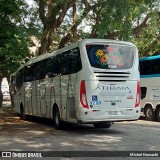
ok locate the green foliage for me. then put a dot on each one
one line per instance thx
(148, 39)
(137, 21)
(130, 20)
(13, 36)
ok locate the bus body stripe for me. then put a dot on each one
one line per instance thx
(150, 76)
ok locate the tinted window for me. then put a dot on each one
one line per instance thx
(28, 73)
(50, 67)
(38, 69)
(155, 66)
(19, 79)
(70, 62)
(13, 80)
(111, 56)
(66, 63)
(143, 92)
(145, 67)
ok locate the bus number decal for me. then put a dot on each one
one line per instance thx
(95, 102)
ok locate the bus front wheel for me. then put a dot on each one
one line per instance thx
(22, 110)
(57, 119)
(149, 114)
(158, 114)
(102, 125)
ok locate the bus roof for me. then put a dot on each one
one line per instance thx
(46, 55)
(94, 40)
(149, 58)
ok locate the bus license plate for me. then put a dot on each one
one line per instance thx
(113, 112)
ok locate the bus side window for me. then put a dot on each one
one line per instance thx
(145, 67)
(143, 92)
(12, 86)
(75, 64)
(37, 71)
(70, 62)
(63, 61)
(28, 74)
(13, 80)
(19, 79)
(155, 67)
(50, 67)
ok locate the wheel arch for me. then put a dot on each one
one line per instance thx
(158, 113)
(148, 105)
(157, 106)
(149, 112)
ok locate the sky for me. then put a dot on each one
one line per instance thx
(30, 2)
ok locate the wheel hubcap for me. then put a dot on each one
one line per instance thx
(149, 113)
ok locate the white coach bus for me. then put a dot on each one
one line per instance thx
(94, 81)
(150, 87)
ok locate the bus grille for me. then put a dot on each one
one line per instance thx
(114, 76)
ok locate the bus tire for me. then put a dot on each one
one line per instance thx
(102, 125)
(56, 119)
(158, 114)
(149, 113)
(22, 110)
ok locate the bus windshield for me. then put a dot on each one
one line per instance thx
(111, 56)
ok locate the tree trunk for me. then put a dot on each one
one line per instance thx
(1, 94)
(51, 21)
(11, 92)
(46, 40)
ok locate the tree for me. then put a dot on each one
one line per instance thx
(51, 14)
(60, 16)
(136, 21)
(13, 38)
(62, 22)
(130, 20)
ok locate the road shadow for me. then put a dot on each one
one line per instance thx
(142, 118)
(74, 128)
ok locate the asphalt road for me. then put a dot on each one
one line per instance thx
(37, 134)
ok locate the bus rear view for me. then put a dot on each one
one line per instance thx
(109, 82)
(94, 81)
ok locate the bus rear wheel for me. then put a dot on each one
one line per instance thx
(56, 119)
(102, 125)
(149, 114)
(158, 114)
